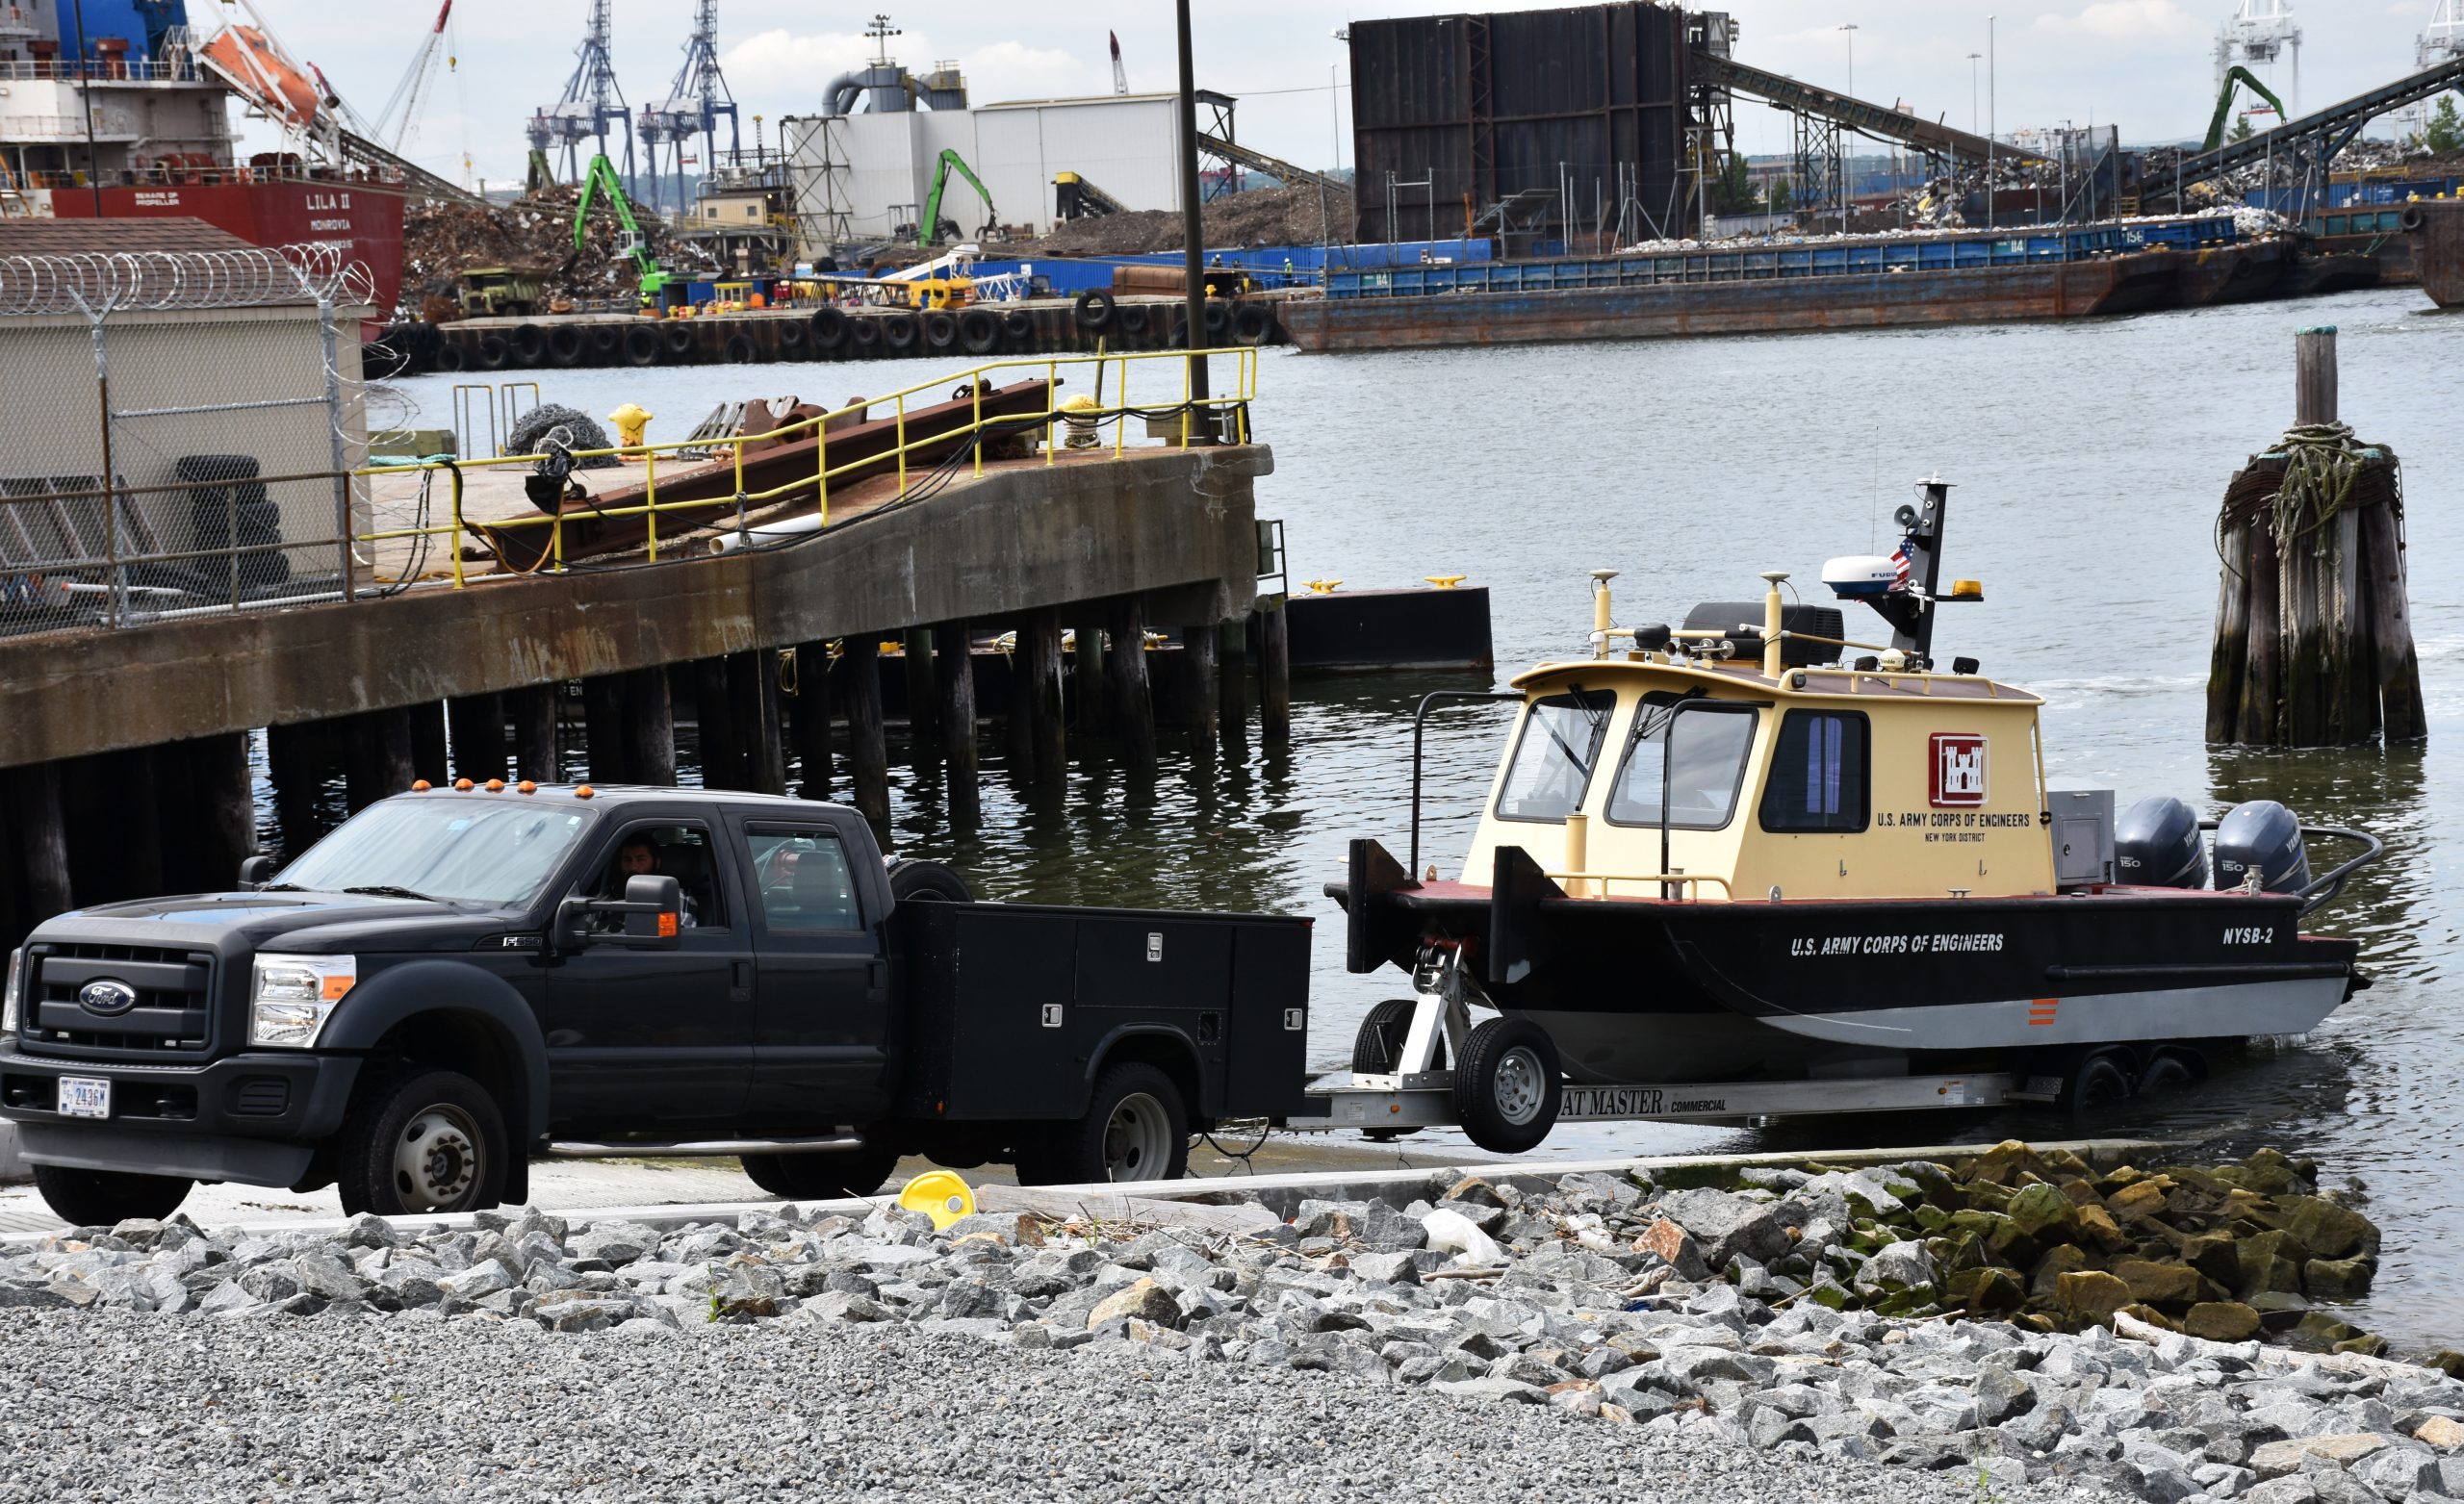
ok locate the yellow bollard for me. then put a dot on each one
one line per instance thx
(630, 421)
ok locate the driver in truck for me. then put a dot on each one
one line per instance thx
(638, 857)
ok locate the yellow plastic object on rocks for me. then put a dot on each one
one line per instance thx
(939, 1195)
(630, 421)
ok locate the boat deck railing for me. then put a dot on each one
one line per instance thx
(1781, 262)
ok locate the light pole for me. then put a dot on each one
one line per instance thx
(1973, 58)
(1192, 229)
(1993, 120)
(1847, 169)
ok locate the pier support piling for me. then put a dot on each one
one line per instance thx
(1232, 682)
(376, 756)
(753, 693)
(812, 718)
(298, 761)
(1199, 695)
(1274, 673)
(478, 737)
(602, 722)
(648, 728)
(534, 712)
(1039, 686)
(1132, 696)
(713, 709)
(1087, 675)
(429, 757)
(922, 724)
(868, 743)
(953, 676)
(38, 840)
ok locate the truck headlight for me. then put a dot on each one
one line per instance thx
(294, 995)
(9, 992)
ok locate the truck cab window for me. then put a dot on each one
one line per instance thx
(805, 884)
(1818, 773)
(681, 852)
(1698, 757)
(1553, 755)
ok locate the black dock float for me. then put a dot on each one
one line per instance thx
(1352, 631)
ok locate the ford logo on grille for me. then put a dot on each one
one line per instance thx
(106, 997)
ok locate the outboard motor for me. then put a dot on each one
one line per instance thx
(2157, 844)
(2263, 837)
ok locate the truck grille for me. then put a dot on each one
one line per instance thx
(173, 1015)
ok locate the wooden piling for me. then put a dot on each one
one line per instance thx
(923, 726)
(478, 725)
(649, 730)
(867, 742)
(1132, 698)
(298, 761)
(753, 693)
(602, 723)
(812, 718)
(1039, 656)
(533, 713)
(104, 799)
(1087, 675)
(206, 811)
(38, 840)
(2314, 375)
(2393, 656)
(1274, 673)
(1200, 696)
(721, 765)
(376, 756)
(1232, 682)
(429, 759)
(1018, 722)
(2228, 657)
(2263, 680)
(954, 679)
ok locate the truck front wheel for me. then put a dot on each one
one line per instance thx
(433, 1142)
(821, 1177)
(106, 1198)
(1135, 1129)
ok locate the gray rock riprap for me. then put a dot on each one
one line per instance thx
(1571, 1312)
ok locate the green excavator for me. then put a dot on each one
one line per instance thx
(2224, 105)
(601, 180)
(931, 229)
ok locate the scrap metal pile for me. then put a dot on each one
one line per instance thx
(440, 241)
(1262, 216)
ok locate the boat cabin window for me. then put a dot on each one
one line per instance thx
(1696, 755)
(1553, 755)
(1818, 773)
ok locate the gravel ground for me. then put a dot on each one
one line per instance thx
(110, 1405)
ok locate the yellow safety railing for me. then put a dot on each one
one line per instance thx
(1584, 880)
(1110, 372)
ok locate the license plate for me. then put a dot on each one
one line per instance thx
(85, 1096)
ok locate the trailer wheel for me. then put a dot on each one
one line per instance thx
(1508, 1088)
(2171, 1070)
(107, 1198)
(433, 1142)
(1379, 1043)
(928, 881)
(2101, 1079)
(1135, 1129)
(821, 1177)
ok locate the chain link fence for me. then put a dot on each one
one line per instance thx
(181, 429)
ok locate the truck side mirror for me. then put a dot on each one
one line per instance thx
(652, 911)
(255, 872)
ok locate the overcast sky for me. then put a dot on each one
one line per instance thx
(2145, 65)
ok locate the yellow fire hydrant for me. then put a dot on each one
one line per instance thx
(630, 421)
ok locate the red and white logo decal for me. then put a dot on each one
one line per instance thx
(1959, 770)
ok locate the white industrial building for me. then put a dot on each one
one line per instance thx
(861, 176)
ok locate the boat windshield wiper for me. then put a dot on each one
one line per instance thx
(389, 890)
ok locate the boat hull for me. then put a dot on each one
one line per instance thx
(2435, 230)
(1651, 990)
(363, 222)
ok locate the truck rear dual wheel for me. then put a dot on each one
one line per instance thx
(106, 1198)
(1137, 1127)
(821, 1177)
(1507, 1085)
(432, 1142)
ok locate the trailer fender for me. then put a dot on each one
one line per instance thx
(1164, 1046)
(464, 994)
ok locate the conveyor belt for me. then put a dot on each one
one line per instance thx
(2336, 124)
(1859, 115)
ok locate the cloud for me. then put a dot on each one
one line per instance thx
(781, 63)
(2123, 21)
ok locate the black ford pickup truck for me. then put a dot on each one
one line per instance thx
(460, 979)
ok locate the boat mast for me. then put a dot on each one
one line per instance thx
(1910, 610)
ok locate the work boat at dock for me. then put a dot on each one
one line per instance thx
(1749, 866)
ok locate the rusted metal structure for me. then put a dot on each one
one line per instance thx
(2435, 230)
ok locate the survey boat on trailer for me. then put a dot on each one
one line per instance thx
(1750, 865)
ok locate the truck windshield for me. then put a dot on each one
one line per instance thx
(460, 849)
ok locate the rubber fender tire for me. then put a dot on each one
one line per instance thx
(1131, 320)
(107, 1198)
(641, 345)
(1018, 325)
(864, 334)
(1094, 311)
(2412, 218)
(940, 330)
(1078, 1151)
(930, 882)
(828, 328)
(450, 358)
(901, 333)
(1379, 1041)
(2099, 1080)
(792, 334)
(678, 341)
(564, 346)
(740, 350)
(528, 343)
(821, 1177)
(383, 1111)
(1500, 1044)
(1219, 317)
(606, 340)
(488, 354)
(979, 330)
(1252, 323)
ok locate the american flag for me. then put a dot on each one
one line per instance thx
(1900, 563)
